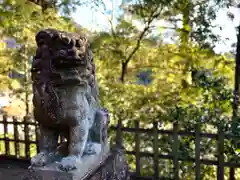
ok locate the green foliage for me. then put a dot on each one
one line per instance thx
(20, 20)
(191, 19)
(12, 150)
(189, 83)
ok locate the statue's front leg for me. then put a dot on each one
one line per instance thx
(47, 144)
(77, 141)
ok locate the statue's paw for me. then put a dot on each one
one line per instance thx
(69, 163)
(42, 159)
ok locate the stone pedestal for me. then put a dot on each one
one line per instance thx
(25, 174)
(112, 167)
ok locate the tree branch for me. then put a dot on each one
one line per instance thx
(154, 14)
(45, 4)
(110, 20)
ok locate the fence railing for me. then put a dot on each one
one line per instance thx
(174, 156)
(18, 140)
(18, 137)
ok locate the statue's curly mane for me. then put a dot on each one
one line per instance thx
(60, 39)
(66, 57)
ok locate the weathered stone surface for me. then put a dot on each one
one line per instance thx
(114, 167)
(66, 102)
(24, 174)
(87, 164)
(111, 167)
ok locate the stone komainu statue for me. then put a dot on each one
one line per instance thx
(65, 98)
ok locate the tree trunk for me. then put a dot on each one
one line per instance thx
(186, 24)
(185, 36)
(123, 72)
(236, 95)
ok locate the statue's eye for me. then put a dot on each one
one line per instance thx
(62, 53)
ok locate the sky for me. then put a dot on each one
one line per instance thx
(95, 20)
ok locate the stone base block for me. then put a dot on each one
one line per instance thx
(112, 166)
